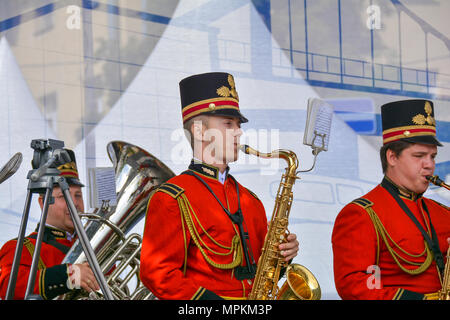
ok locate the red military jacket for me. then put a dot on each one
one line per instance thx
(368, 231)
(186, 254)
(51, 276)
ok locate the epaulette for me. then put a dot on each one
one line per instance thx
(252, 193)
(171, 189)
(362, 202)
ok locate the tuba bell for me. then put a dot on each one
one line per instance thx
(138, 174)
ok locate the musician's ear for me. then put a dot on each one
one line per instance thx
(199, 127)
(41, 201)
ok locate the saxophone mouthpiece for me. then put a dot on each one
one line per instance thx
(244, 148)
(437, 181)
(434, 180)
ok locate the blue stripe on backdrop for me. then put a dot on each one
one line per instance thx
(294, 120)
(92, 5)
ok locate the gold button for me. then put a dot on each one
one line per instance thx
(406, 133)
(212, 106)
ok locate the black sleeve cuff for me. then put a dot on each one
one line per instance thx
(53, 281)
(205, 294)
(403, 294)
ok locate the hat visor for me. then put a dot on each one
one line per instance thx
(227, 113)
(424, 139)
(73, 181)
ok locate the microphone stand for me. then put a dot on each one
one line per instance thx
(316, 149)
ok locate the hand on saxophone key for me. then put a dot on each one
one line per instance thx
(290, 248)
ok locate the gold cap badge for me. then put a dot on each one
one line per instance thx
(226, 92)
(420, 119)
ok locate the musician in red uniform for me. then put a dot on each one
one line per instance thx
(52, 277)
(204, 231)
(392, 242)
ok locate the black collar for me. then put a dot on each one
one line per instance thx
(206, 170)
(402, 192)
(55, 232)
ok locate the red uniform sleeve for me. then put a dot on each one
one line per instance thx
(354, 243)
(6, 260)
(49, 283)
(163, 251)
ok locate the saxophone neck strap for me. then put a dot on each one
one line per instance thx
(432, 241)
(242, 272)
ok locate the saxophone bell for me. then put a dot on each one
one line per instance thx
(300, 284)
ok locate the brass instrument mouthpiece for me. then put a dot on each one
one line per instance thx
(437, 181)
(434, 179)
(244, 148)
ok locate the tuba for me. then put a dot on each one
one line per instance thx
(138, 174)
(444, 293)
(300, 283)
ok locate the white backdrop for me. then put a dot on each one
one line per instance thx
(273, 94)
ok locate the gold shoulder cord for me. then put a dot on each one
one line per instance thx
(186, 218)
(41, 266)
(385, 236)
(30, 247)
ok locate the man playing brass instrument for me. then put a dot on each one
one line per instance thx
(391, 243)
(204, 231)
(52, 277)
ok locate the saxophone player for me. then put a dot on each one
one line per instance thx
(204, 231)
(391, 243)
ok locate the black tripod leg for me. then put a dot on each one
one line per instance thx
(88, 251)
(37, 249)
(18, 253)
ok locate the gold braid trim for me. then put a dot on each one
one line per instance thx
(42, 284)
(186, 209)
(185, 245)
(207, 234)
(30, 247)
(41, 266)
(385, 236)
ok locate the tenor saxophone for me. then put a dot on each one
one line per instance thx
(444, 293)
(301, 283)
